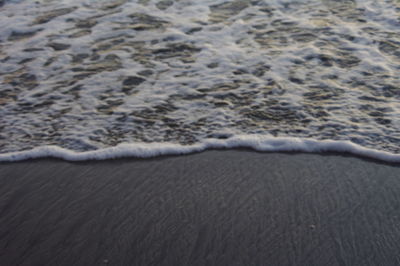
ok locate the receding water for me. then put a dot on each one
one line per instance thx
(86, 74)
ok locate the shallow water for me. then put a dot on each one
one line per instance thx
(85, 75)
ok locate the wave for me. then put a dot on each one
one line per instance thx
(256, 142)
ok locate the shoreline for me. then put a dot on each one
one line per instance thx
(217, 207)
(259, 143)
(240, 149)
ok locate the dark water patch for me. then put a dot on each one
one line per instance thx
(193, 30)
(82, 76)
(384, 90)
(390, 47)
(268, 11)
(114, 4)
(165, 108)
(213, 65)
(26, 60)
(285, 24)
(175, 50)
(75, 91)
(188, 97)
(370, 98)
(43, 104)
(21, 79)
(48, 16)
(141, 21)
(156, 113)
(95, 56)
(322, 93)
(59, 46)
(164, 4)
(274, 113)
(240, 71)
(324, 59)
(80, 33)
(111, 45)
(304, 37)
(8, 95)
(171, 123)
(110, 62)
(390, 90)
(146, 72)
(345, 9)
(261, 26)
(382, 121)
(50, 61)
(377, 114)
(296, 80)
(347, 60)
(316, 111)
(144, 2)
(221, 87)
(79, 58)
(104, 109)
(271, 39)
(86, 23)
(220, 135)
(260, 69)
(77, 144)
(272, 87)
(131, 82)
(21, 35)
(222, 12)
(221, 104)
(4, 59)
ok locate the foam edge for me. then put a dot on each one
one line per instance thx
(256, 142)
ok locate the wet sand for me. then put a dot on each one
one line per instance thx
(232, 207)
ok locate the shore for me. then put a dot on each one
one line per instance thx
(219, 207)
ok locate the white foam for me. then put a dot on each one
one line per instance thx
(256, 142)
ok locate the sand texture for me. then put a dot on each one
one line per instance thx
(219, 207)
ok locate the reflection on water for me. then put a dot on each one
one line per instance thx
(90, 74)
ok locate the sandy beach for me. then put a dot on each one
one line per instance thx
(218, 207)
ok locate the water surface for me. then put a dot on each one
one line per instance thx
(85, 75)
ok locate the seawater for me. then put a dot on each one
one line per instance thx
(96, 79)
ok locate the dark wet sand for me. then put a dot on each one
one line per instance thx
(212, 208)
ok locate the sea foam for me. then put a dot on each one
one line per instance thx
(256, 142)
(88, 76)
